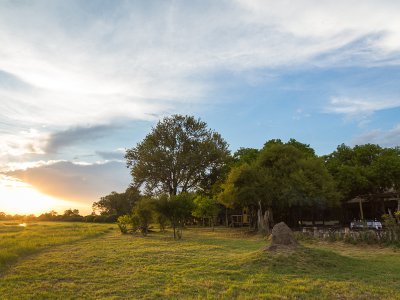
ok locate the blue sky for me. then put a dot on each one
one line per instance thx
(80, 81)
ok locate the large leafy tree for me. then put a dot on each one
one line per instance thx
(365, 170)
(180, 154)
(118, 203)
(285, 178)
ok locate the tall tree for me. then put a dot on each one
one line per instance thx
(283, 179)
(180, 154)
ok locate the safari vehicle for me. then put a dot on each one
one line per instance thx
(366, 224)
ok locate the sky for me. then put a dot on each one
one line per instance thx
(81, 81)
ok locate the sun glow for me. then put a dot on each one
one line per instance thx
(18, 197)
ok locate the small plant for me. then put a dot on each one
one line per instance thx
(123, 223)
(392, 226)
(397, 216)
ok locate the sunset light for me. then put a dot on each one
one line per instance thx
(245, 149)
(17, 197)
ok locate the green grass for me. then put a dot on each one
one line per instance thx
(18, 241)
(225, 264)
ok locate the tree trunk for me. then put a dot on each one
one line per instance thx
(263, 220)
(313, 215)
(226, 216)
(180, 229)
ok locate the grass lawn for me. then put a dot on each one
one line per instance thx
(225, 264)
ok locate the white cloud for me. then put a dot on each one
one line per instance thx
(17, 166)
(80, 63)
(386, 138)
(22, 143)
(359, 109)
(353, 106)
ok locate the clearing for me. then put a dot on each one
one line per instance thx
(92, 261)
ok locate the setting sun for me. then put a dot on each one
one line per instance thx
(18, 197)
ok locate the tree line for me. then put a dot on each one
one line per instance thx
(182, 172)
(69, 215)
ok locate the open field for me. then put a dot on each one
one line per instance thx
(19, 241)
(227, 264)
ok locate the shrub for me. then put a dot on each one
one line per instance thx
(123, 223)
(142, 215)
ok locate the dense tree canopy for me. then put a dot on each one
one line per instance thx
(282, 177)
(364, 169)
(367, 171)
(180, 154)
(205, 208)
(118, 203)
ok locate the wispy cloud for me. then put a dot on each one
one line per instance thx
(90, 64)
(141, 58)
(77, 135)
(359, 109)
(117, 154)
(387, 138)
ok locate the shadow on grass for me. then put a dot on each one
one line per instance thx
(16, 245)
(328, 264)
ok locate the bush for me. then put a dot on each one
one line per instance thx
(123, 223)
(142, 215)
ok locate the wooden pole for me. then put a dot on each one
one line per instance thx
(361, 209)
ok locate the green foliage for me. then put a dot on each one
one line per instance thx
(180, 154)
(118, 203)
(283, 176)
(142, 214)
(123, 223)
(205, 207)
(177, 209)
(364, 169)
(389, 220)
(245, 155)
(70, 215)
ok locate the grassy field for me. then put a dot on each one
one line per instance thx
(18, 241)
(92, 261)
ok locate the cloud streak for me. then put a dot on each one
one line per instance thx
(386, 138)
(360, 106)
(77, 135)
